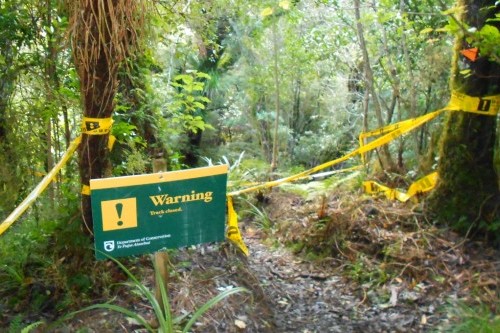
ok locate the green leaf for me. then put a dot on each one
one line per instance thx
(187, 79)
(453, 10)
(165, 318)
(205, 307)
(28, 328)
(266, 12)
(426, 31)
(140, 319)
(203, 99)
(203, 75)
(199, 105)
(197, 87)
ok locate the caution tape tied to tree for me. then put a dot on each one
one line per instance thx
(89, 126)
(488, 105)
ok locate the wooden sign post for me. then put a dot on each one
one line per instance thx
(161, 257)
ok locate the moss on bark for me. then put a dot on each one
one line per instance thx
(467, 196)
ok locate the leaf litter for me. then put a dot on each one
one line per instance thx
(340, 262)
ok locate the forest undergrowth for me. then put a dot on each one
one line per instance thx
(337, 261)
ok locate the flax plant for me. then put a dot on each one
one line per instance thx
(167, 323)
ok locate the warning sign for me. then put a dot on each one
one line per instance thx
(119, 214)
(145, 213)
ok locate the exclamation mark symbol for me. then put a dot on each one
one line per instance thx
(119, 208)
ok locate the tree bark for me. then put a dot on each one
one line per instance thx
(385, 156)
(50, 76)
(467, 195)
(274, 160)
(103, 33)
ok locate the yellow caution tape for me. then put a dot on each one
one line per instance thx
(487, 105)
(90, 126)
(388, 137)
(85, 190)
(422, 185)
(96, 126)
(392, 131)
(372, 187)
(233, 231)
(111, 142)
(40, 187)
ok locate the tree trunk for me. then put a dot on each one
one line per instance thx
(412, 91)
(210, 51)
(467, 194)
(274, 160)
(103, 33)
(385, 156)
(50, 78)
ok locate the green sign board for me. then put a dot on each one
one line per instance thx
(145, 213)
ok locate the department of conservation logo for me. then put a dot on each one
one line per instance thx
(109, 246)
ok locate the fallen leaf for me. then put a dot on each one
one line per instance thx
(394, 296)
(240, 324)
(132, 321)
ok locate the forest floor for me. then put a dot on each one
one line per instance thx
(352, 264)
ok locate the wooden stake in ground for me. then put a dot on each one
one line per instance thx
(160, 258)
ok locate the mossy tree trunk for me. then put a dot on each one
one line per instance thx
(467, 195)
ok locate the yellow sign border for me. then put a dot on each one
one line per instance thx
(170, 176)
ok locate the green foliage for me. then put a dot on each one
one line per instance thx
(163, 315)
(315, 148)
(125, 132)
(364, 273)
(16, 25)
(137, 161)
(41, 267)
(260, 217)
(16, 325)
(188, 103)
(477, 318)
(486, 38)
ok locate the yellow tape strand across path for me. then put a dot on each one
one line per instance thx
(40, 187)
(90, 126)
(459, 102)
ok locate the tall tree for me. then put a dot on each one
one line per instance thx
(211, 29)
(14, 34)
(467, 194)
(385, 156)
(102, 37)
(18, 33)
